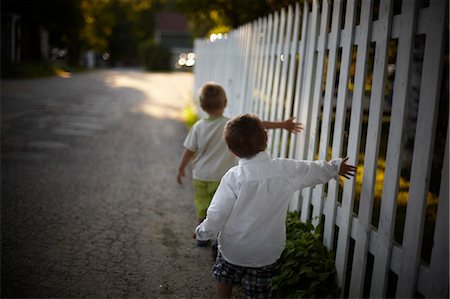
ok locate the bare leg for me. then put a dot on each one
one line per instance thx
(224, 290)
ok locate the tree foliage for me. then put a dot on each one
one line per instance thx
(114, 26)
(207, 17)
(62, 18)
(98, 23)
(118, 26)
(154, 57)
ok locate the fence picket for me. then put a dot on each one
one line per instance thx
(300, 71)
(276, 84)
(393, 154)
(333, 43)
(249, 61)
(226, 50)
(256, 53)
(317, 197)
(423, 150)
(286, 42)
(273, 44)
(338, 138)
(198, 65)
(292, 64)
(295, 202)
(266, 72)
(305, 108)
(438, 286)
(233, 68)
(261, 71)
(217, 68)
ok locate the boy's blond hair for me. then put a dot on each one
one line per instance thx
(212, 97)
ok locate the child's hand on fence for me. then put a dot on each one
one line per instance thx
(291, 126)
(346, 170)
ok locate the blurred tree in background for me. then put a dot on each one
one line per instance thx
(63, 19)
(133, 24)
(154, 57)
(116, 27)
(98, 24)
(65, 30)
(220, 16)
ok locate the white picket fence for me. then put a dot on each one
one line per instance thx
(288, 64)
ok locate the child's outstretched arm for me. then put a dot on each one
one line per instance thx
(288, 124)
(346, 170)
(187, 156)
(310, 173)
(219, 209)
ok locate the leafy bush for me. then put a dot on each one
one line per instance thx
(189, 115)
(306, 268)
(154, 57)
(29, 70)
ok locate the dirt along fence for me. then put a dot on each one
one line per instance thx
(369, 80)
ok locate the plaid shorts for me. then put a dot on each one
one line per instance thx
(256, 282)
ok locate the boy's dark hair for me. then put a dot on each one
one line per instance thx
(245, 135)
(212, 97)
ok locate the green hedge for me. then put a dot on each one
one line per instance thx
(28, 70)
(306, 268)
(154, 57)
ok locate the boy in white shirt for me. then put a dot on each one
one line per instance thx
(206, 145)
(249, 208)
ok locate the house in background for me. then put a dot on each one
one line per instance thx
(172, 31)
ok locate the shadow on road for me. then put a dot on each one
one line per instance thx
(90, 205)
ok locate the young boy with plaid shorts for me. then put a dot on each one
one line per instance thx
(206, 146)
(249, 208)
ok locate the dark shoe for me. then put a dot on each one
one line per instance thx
(214, 249)
(202, 243)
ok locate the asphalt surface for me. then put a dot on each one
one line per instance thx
(90, 206)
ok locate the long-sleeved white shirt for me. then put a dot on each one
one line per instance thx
(249, 208)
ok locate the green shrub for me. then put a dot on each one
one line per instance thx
(306, 268)
(37, 69)
(29, 70)
(154, 57)
(189, 115)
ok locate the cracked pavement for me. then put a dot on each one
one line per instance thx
(90, 206)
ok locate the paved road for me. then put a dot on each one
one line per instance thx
(89, 202)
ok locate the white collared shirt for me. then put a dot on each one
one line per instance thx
(249, 208)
